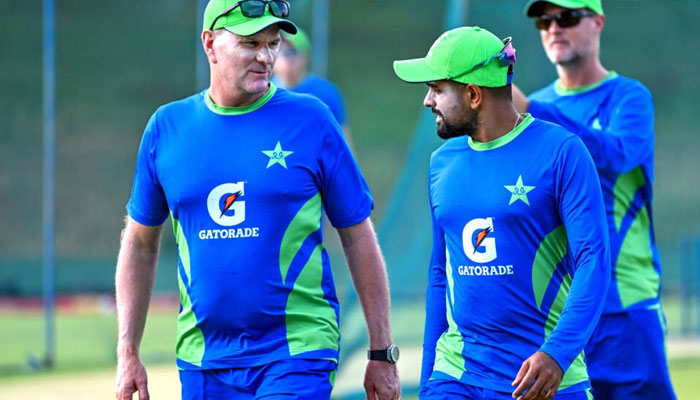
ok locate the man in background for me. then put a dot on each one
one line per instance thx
(520, 261)
(292, 72)
(244, 170)
(614, 116)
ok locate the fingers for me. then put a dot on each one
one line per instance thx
(530, 376)
(521, 373)
(541, 374)
(371, 394)
(143, 391)
(382, 381)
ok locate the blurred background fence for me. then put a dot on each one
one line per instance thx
(116, 62)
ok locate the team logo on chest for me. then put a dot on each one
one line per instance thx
(479, 245)
(277, 156)
(519, 191)
(226, 208)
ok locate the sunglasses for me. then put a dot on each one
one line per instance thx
(565, 19)
(256, 9)
(506, 57)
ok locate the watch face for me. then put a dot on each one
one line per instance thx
(394, 353)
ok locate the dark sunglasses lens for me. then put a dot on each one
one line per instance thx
(253, 8)
(568, 19)
(542, 23)
(279, 9)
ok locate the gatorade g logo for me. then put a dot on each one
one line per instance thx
(478, 246)
(224, 205)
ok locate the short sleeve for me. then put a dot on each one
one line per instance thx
(346, 196)
(147, 205)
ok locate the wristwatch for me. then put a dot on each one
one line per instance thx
(390, 354)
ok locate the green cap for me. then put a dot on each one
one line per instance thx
(534, 8)
(299, 42)
(239, 24)
(453, 55)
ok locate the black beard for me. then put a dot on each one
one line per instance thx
(448, 131)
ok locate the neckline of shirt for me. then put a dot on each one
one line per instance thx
(223, 110)
(503, 140)
(562, 91)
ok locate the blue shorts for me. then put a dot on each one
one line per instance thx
(284, 379)
(626, 357)
(446, 389)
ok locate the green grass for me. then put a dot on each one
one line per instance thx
(82, 340)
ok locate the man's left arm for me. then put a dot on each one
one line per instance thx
(580, 203)
(628, 138)
(370, 279)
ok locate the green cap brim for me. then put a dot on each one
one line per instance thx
(415, 71)
(533, 8)
(258, 24)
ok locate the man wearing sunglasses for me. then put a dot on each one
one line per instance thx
(244, 171)
(614, 116)
(520, 260)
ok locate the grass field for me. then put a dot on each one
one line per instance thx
(164, 384)
(85, 359)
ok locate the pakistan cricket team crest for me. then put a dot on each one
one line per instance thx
(277, 156)
(519, 191)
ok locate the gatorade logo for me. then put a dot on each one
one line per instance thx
(224, 204)
(478, 245)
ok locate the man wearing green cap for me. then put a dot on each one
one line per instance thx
(291, 72)
(520, 261)
(245, 171)
(614, 117)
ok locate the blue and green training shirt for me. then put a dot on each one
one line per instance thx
(520, 257)
(615, 120)
(245, 188)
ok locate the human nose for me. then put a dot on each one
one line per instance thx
(266, 55)
(429, 100)
(553, 27)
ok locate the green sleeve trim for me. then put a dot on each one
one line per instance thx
(562, 91)
(222, 110)
(189, 345)
(503, 140)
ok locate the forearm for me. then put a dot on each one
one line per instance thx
(370, 279)
(618, 148)
(135, 274)
(435, 326)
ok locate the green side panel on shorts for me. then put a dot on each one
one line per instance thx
(550, 253)
(448, 351)
(577, 371)
(311, 321)
(190, 344)
(306, 222)
(635, 275)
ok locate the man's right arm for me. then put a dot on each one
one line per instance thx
(136, 270)
(435, 303)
